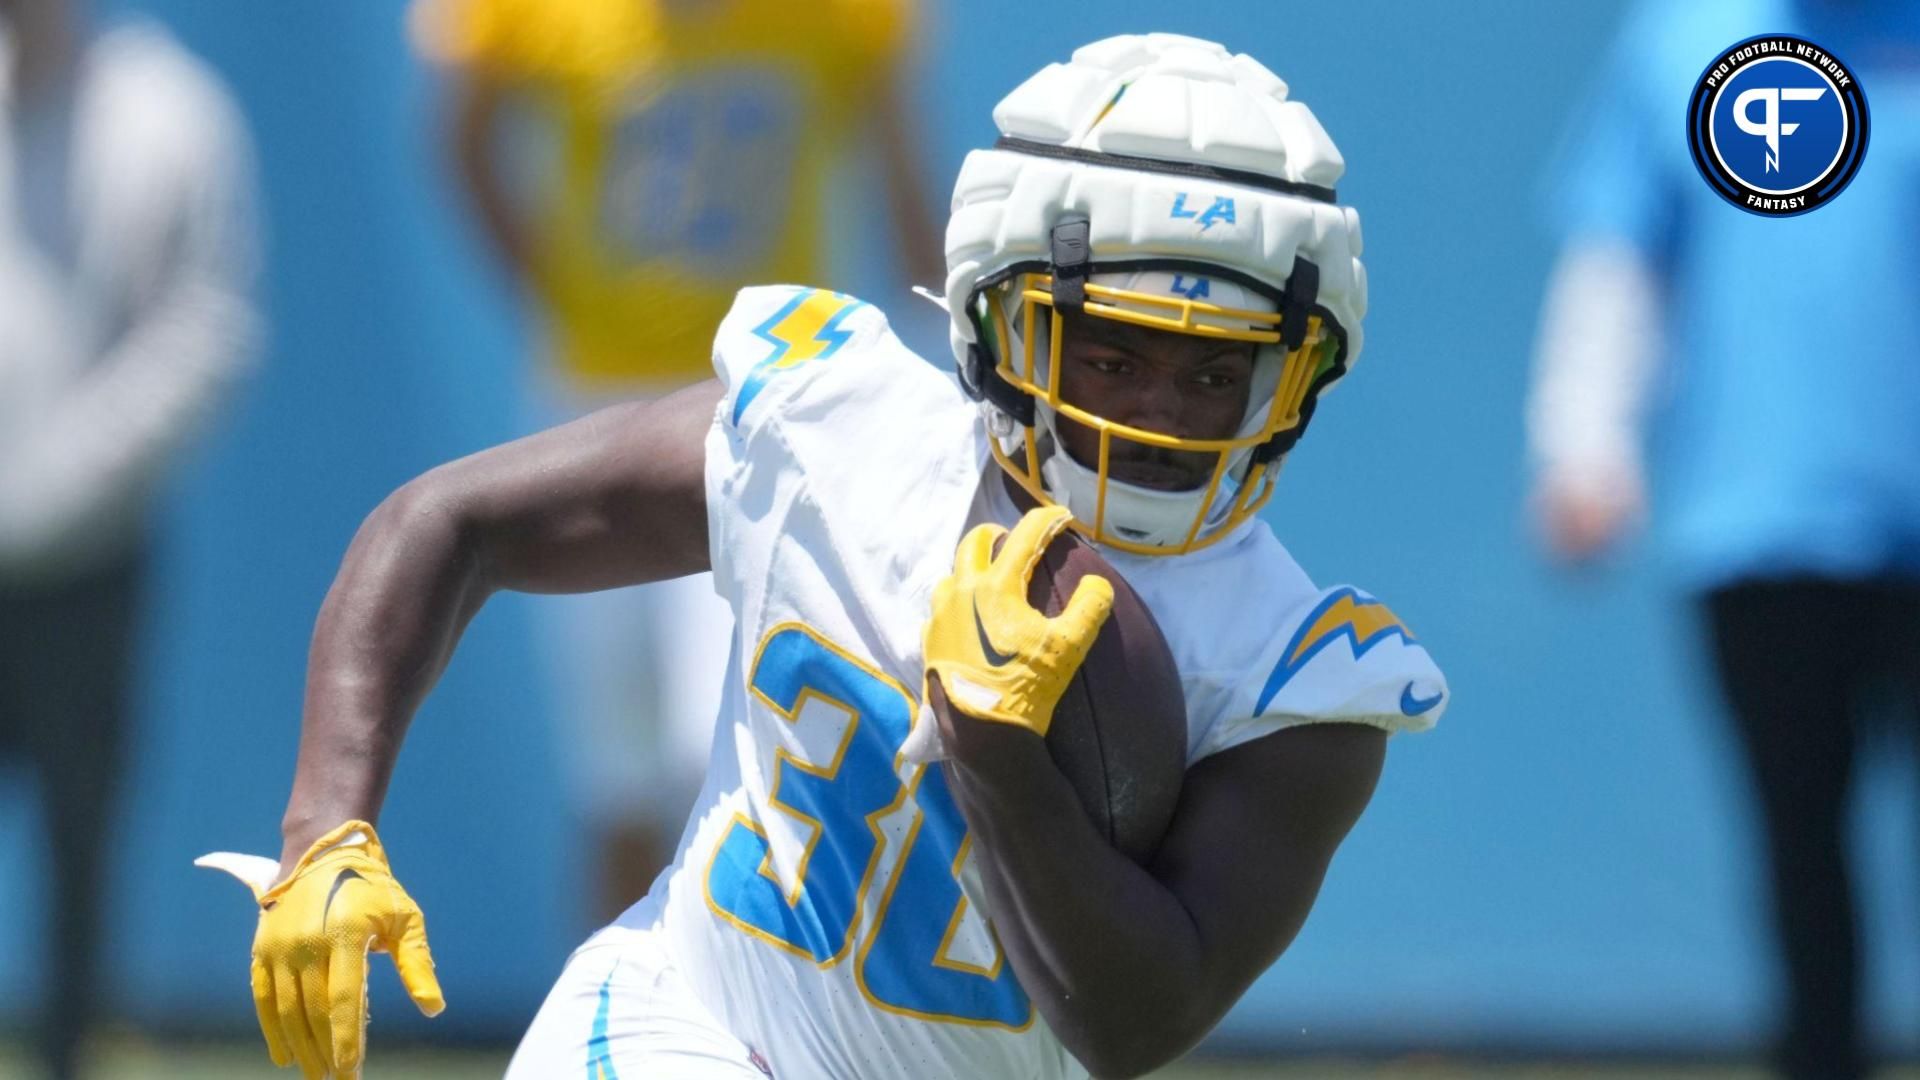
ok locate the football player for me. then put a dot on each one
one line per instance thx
(1151, 284)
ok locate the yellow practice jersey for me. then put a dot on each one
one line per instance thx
(690, 143)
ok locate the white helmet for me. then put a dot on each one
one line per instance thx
(1162, 181)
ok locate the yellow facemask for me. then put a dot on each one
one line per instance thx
(1246, 466)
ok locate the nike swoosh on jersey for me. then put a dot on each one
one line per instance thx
(340, 879)
(1413, 706)
(994, 656)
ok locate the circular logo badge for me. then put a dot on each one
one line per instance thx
(1777, 125)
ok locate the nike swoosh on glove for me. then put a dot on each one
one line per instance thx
(310, 949)
(997, 657)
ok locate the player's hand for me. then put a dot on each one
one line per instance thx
(1583, 515)
(310, 950)
(996, 656)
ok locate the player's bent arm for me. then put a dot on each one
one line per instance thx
(1130, 966)
(615, 498)
(478, 99)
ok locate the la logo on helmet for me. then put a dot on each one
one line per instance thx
(1192, 290)
(1221, 210)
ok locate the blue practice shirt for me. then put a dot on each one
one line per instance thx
(1787, 437)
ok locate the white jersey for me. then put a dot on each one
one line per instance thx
(815, 906)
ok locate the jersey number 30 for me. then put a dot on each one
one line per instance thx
(901, 960)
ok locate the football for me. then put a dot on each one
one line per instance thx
(1119, 733)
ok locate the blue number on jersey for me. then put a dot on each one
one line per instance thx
(902, 965)
(835, 801)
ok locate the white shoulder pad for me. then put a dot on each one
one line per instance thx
(1339, 656)
(776, 338)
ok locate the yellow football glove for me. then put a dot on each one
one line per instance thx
(310, 950)
(997, 657)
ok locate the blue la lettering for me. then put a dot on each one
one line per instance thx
(1221, 210)
(1192, 290)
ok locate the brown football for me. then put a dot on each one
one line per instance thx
(1119, 733)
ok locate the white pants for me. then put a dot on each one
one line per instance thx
(621, 1011)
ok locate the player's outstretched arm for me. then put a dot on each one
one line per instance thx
(1131, 966)
(615, 498)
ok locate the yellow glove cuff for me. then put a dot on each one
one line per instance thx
(365, 844)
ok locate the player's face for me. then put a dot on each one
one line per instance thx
(1156, 380)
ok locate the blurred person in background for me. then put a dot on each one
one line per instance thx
(633, 164)
(126, 251)
(1782, 354)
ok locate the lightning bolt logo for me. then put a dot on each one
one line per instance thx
(806, 328)
(1345, 613)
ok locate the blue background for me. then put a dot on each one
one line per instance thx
(1566, 863)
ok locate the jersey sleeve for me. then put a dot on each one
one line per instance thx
(778, 340)
(796, 364)
(1339, 657)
